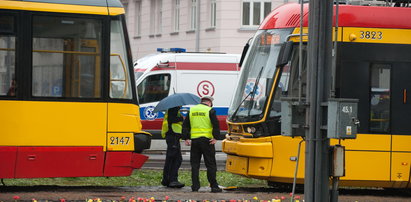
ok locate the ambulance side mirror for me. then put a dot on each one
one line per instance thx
(285, 53)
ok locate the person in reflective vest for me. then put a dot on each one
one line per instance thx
(171, 131)
(200, 130)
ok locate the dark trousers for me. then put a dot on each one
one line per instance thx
(202, 147)
(173, 158)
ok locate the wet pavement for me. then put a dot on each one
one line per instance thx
(156, 160)
(160, 193)
(157, 155)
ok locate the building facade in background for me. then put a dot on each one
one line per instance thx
(196, 25)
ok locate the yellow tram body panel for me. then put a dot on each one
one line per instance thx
(51, 124)
(369, 160)
(60, 7)
(34, 123)
(123, 117)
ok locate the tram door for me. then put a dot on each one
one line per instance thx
(401, 124)
(368, 157)
(401, 99)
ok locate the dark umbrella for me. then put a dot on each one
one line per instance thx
(177, 99)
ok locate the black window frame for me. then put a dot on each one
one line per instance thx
(15, 32)
(134, 99)
(24, 56)
(104, 37)
(157, 74)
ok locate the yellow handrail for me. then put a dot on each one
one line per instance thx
(125, 74)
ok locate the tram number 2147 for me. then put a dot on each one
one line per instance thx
(119, 140)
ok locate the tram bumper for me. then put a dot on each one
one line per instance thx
(122, 163)
(249, 156)
(142, 141)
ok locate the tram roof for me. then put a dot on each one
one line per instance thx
(109, 3)
(99, 7)
(288, 16)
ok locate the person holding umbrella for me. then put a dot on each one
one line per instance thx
(171, 130)
(202, 127)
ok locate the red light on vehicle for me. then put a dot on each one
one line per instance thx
(268, 39)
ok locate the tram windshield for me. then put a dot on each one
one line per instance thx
(257, 76)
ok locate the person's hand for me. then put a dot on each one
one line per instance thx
(187, 142)
(213, 141)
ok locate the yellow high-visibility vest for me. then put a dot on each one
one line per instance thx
(200, 122)
(176, 127)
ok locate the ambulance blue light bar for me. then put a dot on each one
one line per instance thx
(176, 50)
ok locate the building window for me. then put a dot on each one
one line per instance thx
(193, 14)
(137, 23)
(159, 16)
(254, 11)
(176, 18)
(213, 13)
(152, 17)
(156, 17)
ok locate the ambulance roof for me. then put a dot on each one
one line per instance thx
(150, 61)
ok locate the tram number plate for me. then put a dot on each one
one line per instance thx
(372, 35)
(119, 140)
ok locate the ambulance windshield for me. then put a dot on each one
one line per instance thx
(257, 75)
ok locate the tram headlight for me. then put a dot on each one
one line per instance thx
(251, 130)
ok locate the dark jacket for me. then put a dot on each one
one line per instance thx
(173, 118)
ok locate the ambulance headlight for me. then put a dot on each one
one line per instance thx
(251, 130)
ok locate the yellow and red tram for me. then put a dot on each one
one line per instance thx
(67, 93)
(373, 64)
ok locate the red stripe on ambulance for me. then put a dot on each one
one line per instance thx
(196, 66)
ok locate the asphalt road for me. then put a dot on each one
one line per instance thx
(157, 155)
(161, 194)
(156, 161)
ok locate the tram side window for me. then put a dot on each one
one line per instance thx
(288, 85)
(120, 83)
(380, 98)
(154, 88)
(8, 85)
(66, 57)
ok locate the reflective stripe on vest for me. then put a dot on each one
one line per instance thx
(176, 127)
(200, 122)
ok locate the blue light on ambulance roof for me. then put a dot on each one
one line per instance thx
(176, 50)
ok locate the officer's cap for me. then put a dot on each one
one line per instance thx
(207, 98)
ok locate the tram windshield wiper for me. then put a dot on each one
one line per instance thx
(252, 93)
(255, 87)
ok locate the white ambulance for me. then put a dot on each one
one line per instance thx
(176, 71)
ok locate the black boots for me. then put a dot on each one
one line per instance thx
(176, 184)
